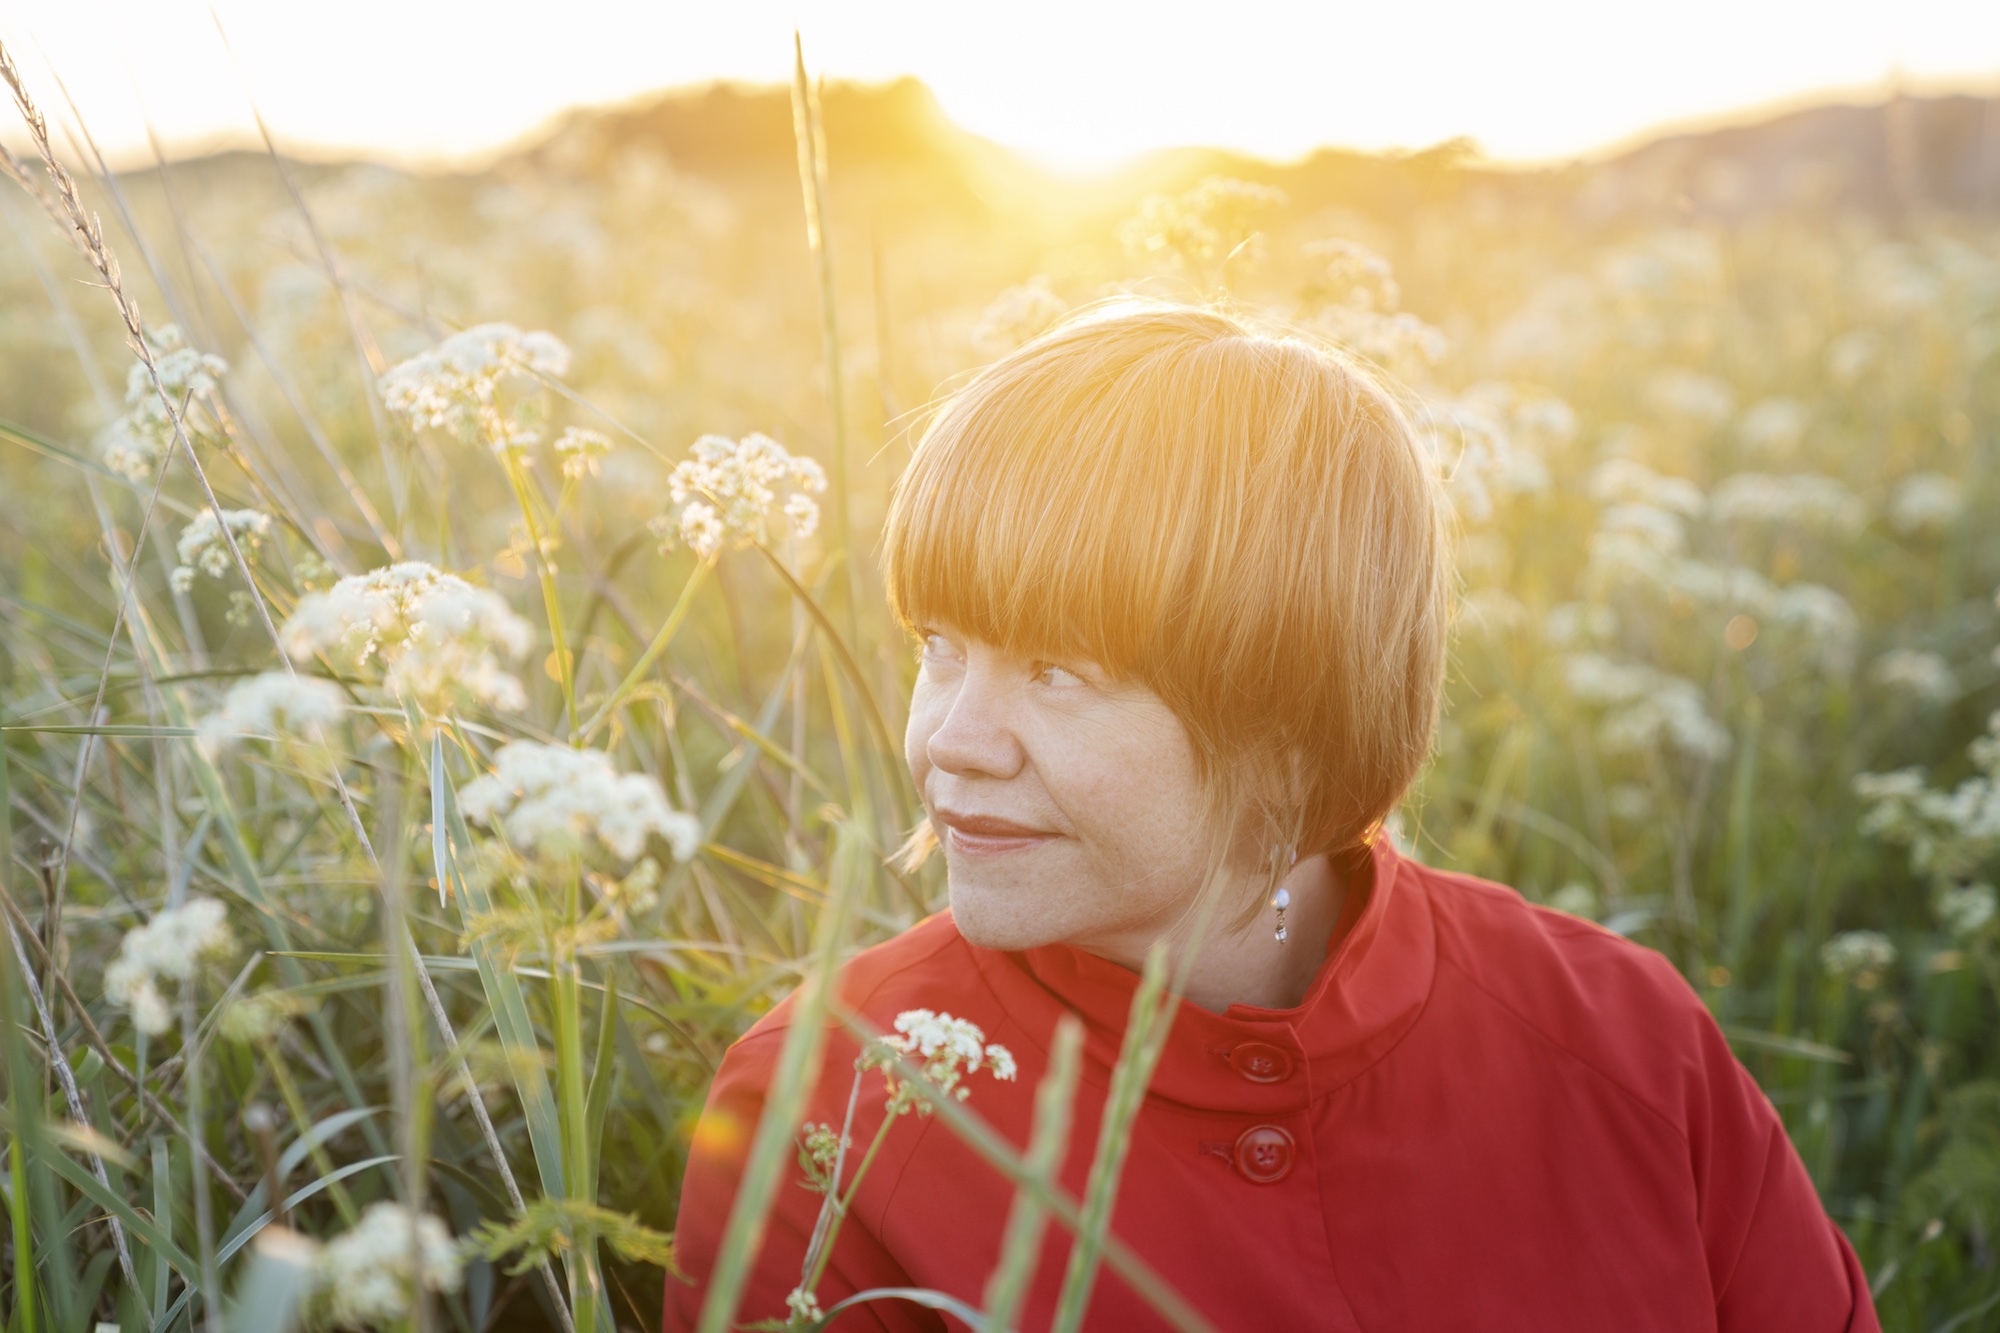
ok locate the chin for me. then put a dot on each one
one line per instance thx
(998, 922)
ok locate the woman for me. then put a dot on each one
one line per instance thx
(1182, 591)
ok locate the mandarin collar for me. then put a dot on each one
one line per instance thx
(1363, 999)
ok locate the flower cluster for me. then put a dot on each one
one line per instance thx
(1016, 316)
(1968, 910)
(1491, 440)
(170, 947)
(1925, 503)
(1860, 955)
(203, 549)
(133, 445)
(1949, 833)
(272, 704)
(728, 489)
(1797, 500)
(372, 1274)
(1210, 221)
(437, 639)
(456, 386)
(1925, 677)
(581, 451)
(1646, 707)
(1774, 427)
(552, 801)
(946, 1049)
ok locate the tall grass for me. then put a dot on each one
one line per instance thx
(1673, 666)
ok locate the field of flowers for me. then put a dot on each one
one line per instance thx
(447, 693)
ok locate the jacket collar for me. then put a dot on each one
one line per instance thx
(1364, 998)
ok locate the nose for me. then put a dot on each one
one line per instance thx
(976, 737)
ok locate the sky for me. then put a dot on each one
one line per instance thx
(1082, 83)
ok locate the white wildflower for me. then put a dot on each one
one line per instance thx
(552, 800)
(1966, 911)
(1926, 677)
(170, 947)
(202, 548)
(1925, 503)
(802, 1306)
(1774, 427)
(1575, 623)
(1800, 500)
(1701, 400)
(1860, 954)
(1647, 708)
(1016, 316)
(944, 1048)
(437, 639)
(456, 386)
(1575, 899)
(1661, 529)
(728, 489)
(1823, 618)
(273, 704)
(371, 1275)
(581, 451)
(1623, 481)
(134, 444)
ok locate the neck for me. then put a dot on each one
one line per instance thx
(1248, 965)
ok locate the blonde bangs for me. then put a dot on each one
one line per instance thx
(1242, 523)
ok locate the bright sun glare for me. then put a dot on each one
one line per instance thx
(1074, 84)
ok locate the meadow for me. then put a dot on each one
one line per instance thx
(448, 694)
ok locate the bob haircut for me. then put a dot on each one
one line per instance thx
(1242, 522)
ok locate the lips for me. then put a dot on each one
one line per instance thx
(989, 835)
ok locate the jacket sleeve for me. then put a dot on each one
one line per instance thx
(716, 1159)
(1775, 1259)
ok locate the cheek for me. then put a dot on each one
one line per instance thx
(926, 713)
(1132, 790)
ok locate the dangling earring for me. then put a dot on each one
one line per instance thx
(1283, 897)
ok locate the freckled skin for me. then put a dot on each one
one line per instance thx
(1108, 770)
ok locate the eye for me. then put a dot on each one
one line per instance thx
(1059, 677)
(937, 648)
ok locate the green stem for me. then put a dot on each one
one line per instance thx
(551, 603)
(568, 996)
(652, 653)
(24, 1239)
(846, 1200)
(1028, 1218)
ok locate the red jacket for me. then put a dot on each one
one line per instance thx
(1485, 1115)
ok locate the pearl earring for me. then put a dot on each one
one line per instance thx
(1283, 897)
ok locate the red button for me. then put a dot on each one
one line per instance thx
(1264, 1154)
(1261, 1062)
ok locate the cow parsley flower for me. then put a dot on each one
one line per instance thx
(802, 1307)
(272, 704)
(1774, 427)
(456, 386)
(203, 550)
(945, 1049)
(1016, 316)
(1700, 400)
(1623, 481)
(1925, 677)
(551, 800)
(1925, 503)
(1645, 708)
(581, 451)
(170, 947)
(1968, 910)
(728, 489)
(133, 445)
(371, 1274)
(1860, 955)
(1797, 500)
(437, 639)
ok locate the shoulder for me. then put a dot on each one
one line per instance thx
(1615, 1007)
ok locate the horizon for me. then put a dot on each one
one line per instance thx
(452, 93)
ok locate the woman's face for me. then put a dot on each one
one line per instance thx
(1067, 803)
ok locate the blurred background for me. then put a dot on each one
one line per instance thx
(1699, 308)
